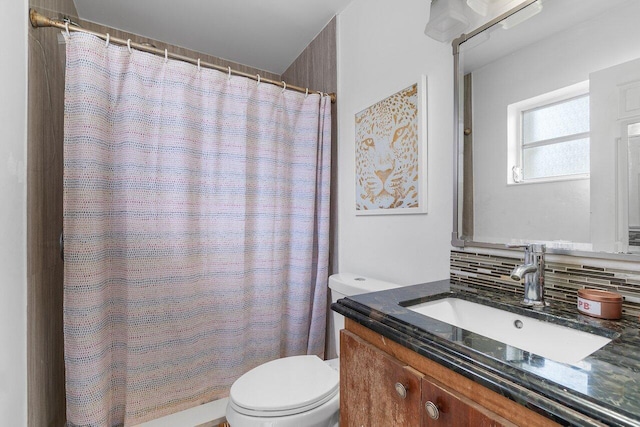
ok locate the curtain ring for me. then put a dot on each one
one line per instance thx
(129, 45)
(229, 73)
(107, 42)
(284, 86)
(198, 64)
(306, 93)
(66, 27)
(166, 56)
(258, 76)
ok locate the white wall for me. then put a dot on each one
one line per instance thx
(382, 49)
(13, 193)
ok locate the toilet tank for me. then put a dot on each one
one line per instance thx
(345, 285)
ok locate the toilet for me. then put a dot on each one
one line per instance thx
(298, 390)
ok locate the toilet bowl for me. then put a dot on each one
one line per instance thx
(298, 391)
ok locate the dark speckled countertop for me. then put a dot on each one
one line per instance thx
(603, 387)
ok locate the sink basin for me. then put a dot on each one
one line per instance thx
(559, 343)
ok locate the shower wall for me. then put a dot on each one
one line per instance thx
(45, 362)
(45, 347)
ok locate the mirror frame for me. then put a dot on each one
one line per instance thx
(457, 239)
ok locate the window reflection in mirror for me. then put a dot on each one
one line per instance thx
(548, 136)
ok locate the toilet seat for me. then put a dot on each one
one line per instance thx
(286, 386)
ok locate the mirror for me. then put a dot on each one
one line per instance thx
(548, 128)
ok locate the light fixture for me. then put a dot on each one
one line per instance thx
(485, 7)
(447, 20)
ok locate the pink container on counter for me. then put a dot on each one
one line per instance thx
(602, 304)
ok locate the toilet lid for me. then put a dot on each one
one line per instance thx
(284, 387)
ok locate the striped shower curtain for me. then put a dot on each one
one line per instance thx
(196, 231)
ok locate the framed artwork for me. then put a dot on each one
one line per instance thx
(391, 154)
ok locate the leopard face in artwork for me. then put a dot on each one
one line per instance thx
(387, 153)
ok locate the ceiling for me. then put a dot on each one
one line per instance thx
(265, 34)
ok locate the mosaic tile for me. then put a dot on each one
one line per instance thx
(563, 280)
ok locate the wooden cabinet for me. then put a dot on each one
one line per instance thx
(384, 384)
(375, 388)
(379, 390)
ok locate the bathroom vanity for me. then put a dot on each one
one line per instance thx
(400, 367)
(386, 384)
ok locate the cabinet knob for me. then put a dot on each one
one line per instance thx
(401, 390)
(432, 410)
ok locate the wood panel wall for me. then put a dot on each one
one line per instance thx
(45, 349)
(467, 169)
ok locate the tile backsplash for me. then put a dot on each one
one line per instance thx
(562, 280)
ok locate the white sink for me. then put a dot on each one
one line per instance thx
(555, 342)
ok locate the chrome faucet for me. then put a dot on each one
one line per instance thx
(533, 273)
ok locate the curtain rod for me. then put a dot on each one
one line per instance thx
(39, 21)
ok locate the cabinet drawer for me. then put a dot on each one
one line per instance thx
(445, 407)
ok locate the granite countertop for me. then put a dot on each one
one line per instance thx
(604, 386)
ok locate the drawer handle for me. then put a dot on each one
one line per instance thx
(432, 410)
(401, 390)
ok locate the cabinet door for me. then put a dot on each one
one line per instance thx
(375, 388)
(445, 407)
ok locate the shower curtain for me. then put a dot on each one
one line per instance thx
(196, 214)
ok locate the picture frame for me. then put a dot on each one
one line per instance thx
(391, 154)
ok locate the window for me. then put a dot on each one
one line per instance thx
(551, 137)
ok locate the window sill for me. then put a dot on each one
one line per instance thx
(576, 177)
